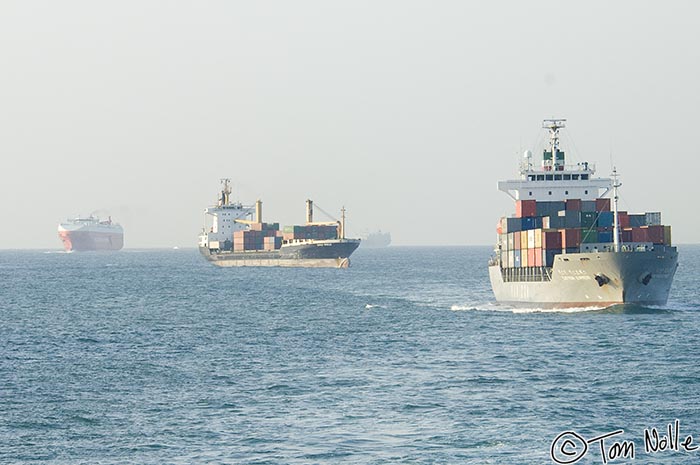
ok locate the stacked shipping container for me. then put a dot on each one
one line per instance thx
(267, 236)
(260, 236)
(319, 232)
(541, 230)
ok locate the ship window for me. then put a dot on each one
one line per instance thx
(574, 177)
(567, 177)
(585, 192)
(550, 192)
(540, 177)
(566, 192)
(530, 193)
(584, 177)
(549, 177)
(557, 177)
(530, 177)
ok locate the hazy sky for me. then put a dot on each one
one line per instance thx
(406, 112)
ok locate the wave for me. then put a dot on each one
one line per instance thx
(371, 306)
(629, 309)
(495, 307)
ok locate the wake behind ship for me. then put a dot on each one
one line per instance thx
(234, 238)
(566, 247)
(90, 233)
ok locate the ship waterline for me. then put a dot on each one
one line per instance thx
(319, 254)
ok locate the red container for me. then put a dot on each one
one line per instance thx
(602, 205)
(531, 257)
(639, 235)
(573, 205)
(626, 235)
(570, 238)
(655, 234)
(516, 240)
(538, 257)
(623, 219)
(525, 208)
(551, 240)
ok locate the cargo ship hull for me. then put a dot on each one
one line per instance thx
(311, 254)
(590, 280)
(82, 241)
(90, 233)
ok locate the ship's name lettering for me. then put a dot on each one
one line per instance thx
(575, 278)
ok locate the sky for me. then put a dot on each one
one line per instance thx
(405, 112)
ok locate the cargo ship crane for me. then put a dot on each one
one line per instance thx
(310, 218)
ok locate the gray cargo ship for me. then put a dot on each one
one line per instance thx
(566, 246)
(235, 235)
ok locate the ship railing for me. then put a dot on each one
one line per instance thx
(579, 167)
(527, 274)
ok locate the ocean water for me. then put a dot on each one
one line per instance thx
(156, 357)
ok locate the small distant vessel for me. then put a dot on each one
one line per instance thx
(237, 236)
(566, 247)
(376, 239)
(90, 233)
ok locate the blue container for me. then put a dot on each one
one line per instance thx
(546, 208)
(514, 224)
(557, 222)
(572, 220)
(605, 220)
(605, 236)
(637, 221)
(528, 223)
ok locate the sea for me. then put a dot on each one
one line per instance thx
(158, 357)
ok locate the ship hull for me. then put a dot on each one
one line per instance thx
(594, 280)
(316, 254)
(82, 241)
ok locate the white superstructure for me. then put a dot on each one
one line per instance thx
(554, 180)
(225, 218)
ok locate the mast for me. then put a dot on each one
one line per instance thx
(554, 125)
(225, 192)
(616, 224)
(342, 223)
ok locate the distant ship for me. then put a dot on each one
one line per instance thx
(564, 247)
(237, 236)
(90, 233)
(376, 240)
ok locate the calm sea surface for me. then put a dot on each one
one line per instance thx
(156, 357)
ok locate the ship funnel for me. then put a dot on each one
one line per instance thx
(309, 211)
(258, 211)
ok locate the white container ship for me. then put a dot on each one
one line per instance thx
(567, 246)
(90, 233)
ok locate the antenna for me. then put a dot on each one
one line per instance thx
(225, 191)
(554, 125)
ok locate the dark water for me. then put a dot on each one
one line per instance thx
(158, 357)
